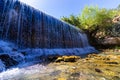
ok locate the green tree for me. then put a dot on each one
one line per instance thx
(93, 20)
(74, 20)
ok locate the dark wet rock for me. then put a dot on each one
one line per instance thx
(17, 56)
(111, 62)
(77, 74)
(52, 58)
(8, 61)
(106, 58)
(74, 76)
(98, 70)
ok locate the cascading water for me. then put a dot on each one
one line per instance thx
(30, 28)
(27, 35)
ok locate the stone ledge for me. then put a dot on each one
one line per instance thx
(112, 41)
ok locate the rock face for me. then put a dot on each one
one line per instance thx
(111, 41)
(116, 19)
(31, 28)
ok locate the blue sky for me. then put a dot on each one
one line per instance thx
(59, 8)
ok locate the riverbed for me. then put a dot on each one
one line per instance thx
(102, 66)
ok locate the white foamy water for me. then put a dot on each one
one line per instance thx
(28, 63)
(21, 73)
(27, 57)
(6, 47)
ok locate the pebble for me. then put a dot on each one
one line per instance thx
(98, 70)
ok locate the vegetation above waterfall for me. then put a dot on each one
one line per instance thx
(97, 22)
(93, 18)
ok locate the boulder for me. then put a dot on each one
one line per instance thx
(111, 41)
(8, 61)
(67, 58)
(116, 19)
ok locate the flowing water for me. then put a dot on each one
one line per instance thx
(28, 35)
(28, 27)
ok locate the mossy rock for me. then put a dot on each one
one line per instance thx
(67, 58)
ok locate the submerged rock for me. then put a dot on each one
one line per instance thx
(98, 70)
(7, 60)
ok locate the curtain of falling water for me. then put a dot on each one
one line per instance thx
(28, 27)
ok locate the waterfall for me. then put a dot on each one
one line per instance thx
(36, 34)
(28, 27)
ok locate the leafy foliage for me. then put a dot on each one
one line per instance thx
(74, 20)
(114, 30)
(87, 17)
(93, 19)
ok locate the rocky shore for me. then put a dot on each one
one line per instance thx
(102, 66)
